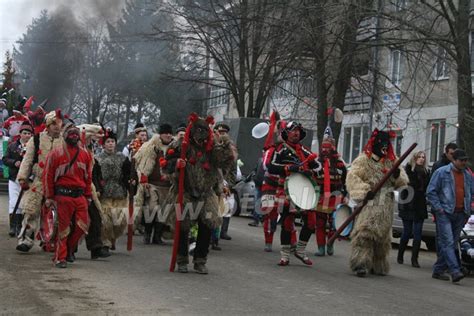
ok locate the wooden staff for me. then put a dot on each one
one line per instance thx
(377, 188)
(179, 210)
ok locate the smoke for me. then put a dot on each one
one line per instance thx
(104, 9)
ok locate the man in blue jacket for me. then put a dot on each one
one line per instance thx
(450, 194)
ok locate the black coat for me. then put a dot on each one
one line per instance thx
(415, 209)
(14, 153)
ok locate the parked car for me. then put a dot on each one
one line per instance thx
(244, 194)
(429, 227)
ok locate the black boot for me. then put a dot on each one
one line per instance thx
(414, 253)
(157, 234)
(18, 220)
(401, 250)
(215, 244)
(224, 228)
(147, 235)
(12, 230)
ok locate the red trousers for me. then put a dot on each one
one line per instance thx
(322, 221)
(270, 222)
(71, 210)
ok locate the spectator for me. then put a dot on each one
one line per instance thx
(258, 180)
(450, 194)
(413, 212)
(12, 159)
(446, 158)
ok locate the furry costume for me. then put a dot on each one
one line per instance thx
(115, 169)
(147, 163)
(371, 237)
(204, 157)
(32, 198)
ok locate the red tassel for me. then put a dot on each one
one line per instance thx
(41, 164)
(163, 162)
(170, 152)
(210, 120)
(193, 117)
(192, 161)
(143, 179)
(206, 166)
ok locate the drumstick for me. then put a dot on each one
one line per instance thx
(377, 188)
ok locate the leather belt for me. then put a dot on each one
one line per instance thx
(72, 192)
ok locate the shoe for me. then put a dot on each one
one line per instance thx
(253, 224)
(12, 230)
(456, 277)
(330, 250)
(414, 263)
(361, 272)
(113, 245)
(70, 258)
(100, 253)
(225, 236)
(23, 248)
(321, 251)
(182, 268)
(401, 250)
(268, 248)
(147, 240)
(216, 247)
(283, 262)
(200, 268)
(61, 264)
(440, 276)
(158, 241)
(415, 250)
(303, 258)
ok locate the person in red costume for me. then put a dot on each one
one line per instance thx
(67, 180)
(13, 124)
(331, 179)
(291, 157)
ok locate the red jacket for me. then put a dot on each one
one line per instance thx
(78, 176)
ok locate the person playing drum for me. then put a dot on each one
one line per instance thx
(331, 179)
(288, 158)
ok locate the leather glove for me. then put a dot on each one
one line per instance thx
(370, 195)
(396, 173)
(293, 168)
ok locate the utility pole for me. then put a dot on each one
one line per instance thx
(375, 66)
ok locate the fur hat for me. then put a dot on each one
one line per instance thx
(139, 128)
(51, 117)
(109, 133)
(165, 129)
(181, 128)
(222, 126)
(26, 126)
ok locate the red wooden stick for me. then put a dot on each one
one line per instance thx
(177, 227)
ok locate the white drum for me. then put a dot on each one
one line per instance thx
(302, 191)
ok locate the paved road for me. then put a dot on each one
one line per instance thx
(242, 280)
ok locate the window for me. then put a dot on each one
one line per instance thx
(355, 138)
(441, 67)
(395, 66)
(397, 143)
(219, 97)
(436, 135)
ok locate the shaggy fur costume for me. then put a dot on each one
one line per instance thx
(371, 237)
(31, 201)
(145, 162)
(202, 180)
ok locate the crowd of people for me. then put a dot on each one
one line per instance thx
(181, 182)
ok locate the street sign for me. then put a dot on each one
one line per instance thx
(391, 101)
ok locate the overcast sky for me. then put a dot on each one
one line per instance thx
(15, 15)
